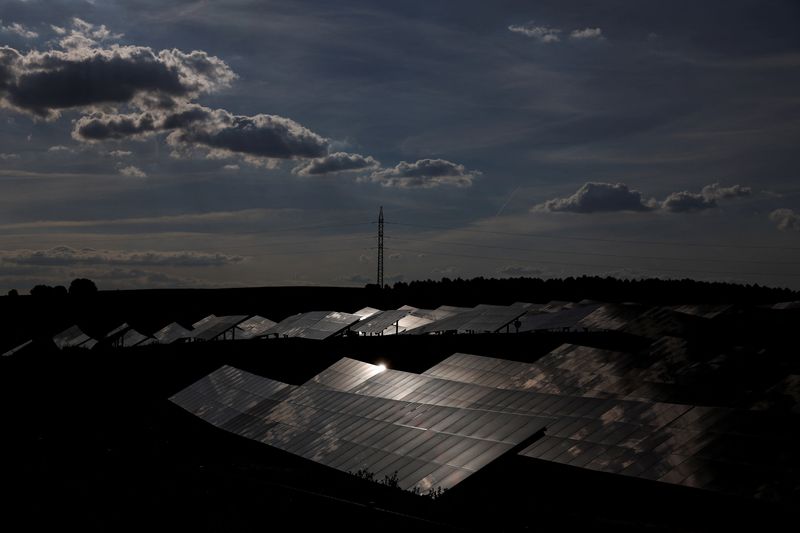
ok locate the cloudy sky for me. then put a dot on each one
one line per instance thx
(176, 143)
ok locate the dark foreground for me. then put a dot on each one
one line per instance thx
(91, 442)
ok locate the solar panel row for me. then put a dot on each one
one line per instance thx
(424, 446)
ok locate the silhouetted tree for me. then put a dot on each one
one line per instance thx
(42, 291)
(13, 293)
(82, 287)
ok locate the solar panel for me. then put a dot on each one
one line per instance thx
(329, 325)
(73, 337)
(134, 338)
(116, 332)
(558, 320)
(379, 322)
(203, 321)
(491, 318)
(367, 312)
(254, 327)
(171, 333)
(611, 317)
(407, 324)
(423, 446)
(218, 326)
(19, 348)
(293, 325)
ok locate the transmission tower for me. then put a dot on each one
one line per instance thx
(380, 248)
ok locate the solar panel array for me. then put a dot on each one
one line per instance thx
(697, 446)
(435, 429)
(480, 319)
(423, 446)
(314, 325)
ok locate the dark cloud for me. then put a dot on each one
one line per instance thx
(263, 136)
(607, 197)
(685, 201)
(786, 219)
(193, 127)
(101, 126)
(598, 197)
(65, 256)
(336, 162)
(44, 83)
(426, 174)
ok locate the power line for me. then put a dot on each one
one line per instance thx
(598, 239)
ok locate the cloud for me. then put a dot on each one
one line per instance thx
(20, 30)
(66, 256)
(425, 174)
(7, 157)
(334, 163)
(264, 136)
(120, 153)
(684, 201)
(231, 167)
(608, 197)
(597, 197)
(132, 171)
(786, 219)
(717, 192)
(587, 33)
(60, 148)
(540, 33)
(84, 74)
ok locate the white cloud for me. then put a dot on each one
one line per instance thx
(132, 172)
(587, 33)
(424, 174)
(540, 33)
(598, 197)
(60, 148)
(335, 163)
(685, 201)
(20, 30)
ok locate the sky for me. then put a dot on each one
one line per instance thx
(151, 144)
